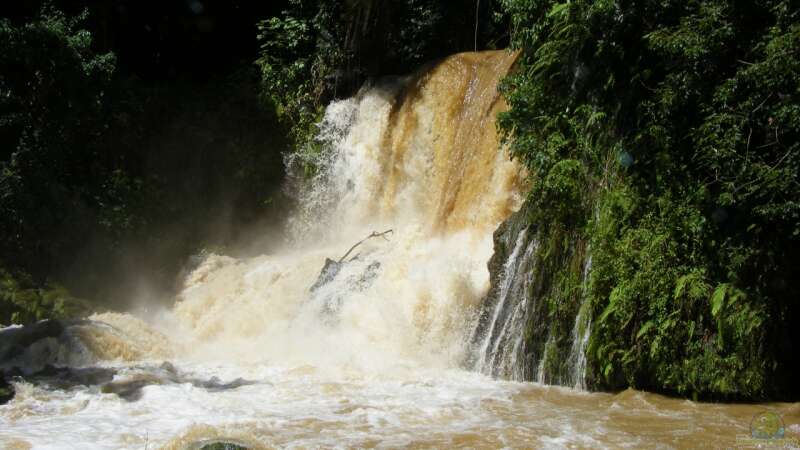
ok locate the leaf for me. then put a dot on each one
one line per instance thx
(718, 299)
(680, 285)
(606, 312)
(607, 370)
(558, 9)
(645, 328)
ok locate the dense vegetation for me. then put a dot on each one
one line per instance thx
(44, 138)
(682, 118)
(115, 168)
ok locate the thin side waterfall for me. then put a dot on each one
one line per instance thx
(506, 358)
(581, 333)
(514, 337)
(489, 352)
(541, 371)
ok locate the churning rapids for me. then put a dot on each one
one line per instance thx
(374, 354)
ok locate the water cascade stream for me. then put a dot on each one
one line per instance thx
(514, 337)
(380, 352)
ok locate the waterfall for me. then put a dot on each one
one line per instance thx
(581, 333)
(418, 159)
(490, 346)
(417, 155)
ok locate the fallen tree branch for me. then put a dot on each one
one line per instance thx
(373, 235)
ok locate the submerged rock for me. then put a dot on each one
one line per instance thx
(63, 355)
(131, 388)
(332, 301)
(219, 445)
(65, 378)
(32, 348)
(79, 343)
(126, 383)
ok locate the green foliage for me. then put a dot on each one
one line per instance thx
(681, 120)
(51, 99)
(22, 302)
(293, 71)
(562, 192)
(107, 180)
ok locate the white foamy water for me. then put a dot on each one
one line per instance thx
(304, 407)
(286, 407)
(373, 357)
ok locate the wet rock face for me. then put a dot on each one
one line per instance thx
(357, 283)
(334, 298)
(505, 240)
(367, 277)
(327, 274)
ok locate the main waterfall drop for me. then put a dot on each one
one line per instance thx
(418, 156)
